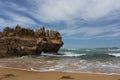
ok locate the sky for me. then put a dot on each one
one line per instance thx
(82, 23)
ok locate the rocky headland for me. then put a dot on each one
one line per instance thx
(25, 41)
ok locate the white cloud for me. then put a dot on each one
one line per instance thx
(16, 6)
(111, 35)
(87, 32)
(114, 35)
(2, 20)
(21, 19)
(14, 16)
(12, 5)
(69, 10)
(16, 19)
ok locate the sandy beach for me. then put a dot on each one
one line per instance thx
(14, 74)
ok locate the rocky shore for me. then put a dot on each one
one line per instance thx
(25, 41)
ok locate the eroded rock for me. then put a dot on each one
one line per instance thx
(25, 41)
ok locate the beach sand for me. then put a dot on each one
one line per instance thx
(14, 74)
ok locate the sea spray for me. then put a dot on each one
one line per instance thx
(69, 60)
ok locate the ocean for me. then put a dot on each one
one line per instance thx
(96, 60)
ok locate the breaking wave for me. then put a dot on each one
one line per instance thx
(69, 60)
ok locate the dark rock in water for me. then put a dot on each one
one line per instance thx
(25, 41)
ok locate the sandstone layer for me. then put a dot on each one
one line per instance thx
(25, 41)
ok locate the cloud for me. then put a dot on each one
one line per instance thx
(2, 20)
(87, 32)
(13, 14)
(112, 35)
(83, 18)
(15, 19)
(21, 18)
(11, 5)
(69, 10)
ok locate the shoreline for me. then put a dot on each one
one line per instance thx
(17, 74)
(31, 70)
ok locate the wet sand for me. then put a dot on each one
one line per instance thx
(14, 74)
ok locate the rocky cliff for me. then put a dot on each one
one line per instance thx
(24, 41)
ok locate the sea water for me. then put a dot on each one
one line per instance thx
(97, 60)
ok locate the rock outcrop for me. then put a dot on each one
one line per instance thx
(25, 41)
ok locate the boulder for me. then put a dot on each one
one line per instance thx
(25, 41)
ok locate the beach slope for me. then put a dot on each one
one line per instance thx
(14, 74)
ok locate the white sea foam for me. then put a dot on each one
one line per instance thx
(49, 54)
(66, 54)
(50, 62)
(64, 64)
(88, 72)
(88, 50)
(81, 61)
(71, 54)
(113, 49)
(1, 65)
(115, 54)
(72, 49)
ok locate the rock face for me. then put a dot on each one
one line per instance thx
(25, 41)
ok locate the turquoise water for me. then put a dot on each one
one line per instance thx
(99, 60)
(92, 53)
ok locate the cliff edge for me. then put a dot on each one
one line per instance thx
(25, 41)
